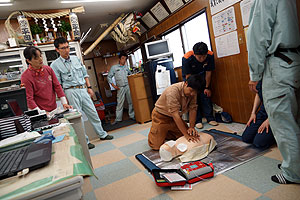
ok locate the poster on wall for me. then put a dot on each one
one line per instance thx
(149, 20)
(245, 10)
(159, 11)
(227, 44)
(174, 4)
(163, 80)
(224, 22)
(218, 5)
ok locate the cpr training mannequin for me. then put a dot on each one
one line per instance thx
(188, 151)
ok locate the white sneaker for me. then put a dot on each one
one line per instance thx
(213, 123)
(199, 125)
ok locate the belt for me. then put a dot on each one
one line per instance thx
(76, 86)
(278, 53)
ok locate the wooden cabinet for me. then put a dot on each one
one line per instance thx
(141, 97)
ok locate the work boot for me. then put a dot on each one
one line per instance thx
(108, 137)
(91, 146)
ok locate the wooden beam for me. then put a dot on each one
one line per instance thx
(104, 34)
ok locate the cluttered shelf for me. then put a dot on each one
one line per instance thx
(9, 81)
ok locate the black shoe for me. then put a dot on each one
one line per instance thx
(133, 119)
(108, 137)
(279, 178)
(91, 146)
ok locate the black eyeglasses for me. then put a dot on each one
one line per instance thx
(64, 48)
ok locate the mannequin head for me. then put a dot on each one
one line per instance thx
(188, 151)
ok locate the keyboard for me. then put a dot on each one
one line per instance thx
(40, 124)
(10, 161)
(43, 124)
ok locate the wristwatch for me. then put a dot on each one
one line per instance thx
(207, 87)
(89, 87)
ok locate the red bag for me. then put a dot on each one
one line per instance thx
(156, 173)
(192, 172)
(197, 171)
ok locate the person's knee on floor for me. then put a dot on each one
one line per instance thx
(264, 142)
(248, 135)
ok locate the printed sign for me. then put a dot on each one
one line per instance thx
(75, 26)
(25, 28)
(218, 5)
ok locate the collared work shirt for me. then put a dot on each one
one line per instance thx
(120, 73)
(173, 100)
(190, 65)
(69, 72)
(272, 24)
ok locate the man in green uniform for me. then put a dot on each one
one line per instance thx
(274, 57)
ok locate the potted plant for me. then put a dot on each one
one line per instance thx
(65, 27)
(36, 30)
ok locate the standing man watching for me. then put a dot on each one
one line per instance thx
(120, 72)
(73, 77)
(274, 57)
(201, 61)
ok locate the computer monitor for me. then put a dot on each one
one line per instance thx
(17, 94)
(157, 49)
(14, 106)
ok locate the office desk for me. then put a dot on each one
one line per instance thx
(60, 179)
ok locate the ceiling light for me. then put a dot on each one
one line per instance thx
(87, 1)
(6, 4)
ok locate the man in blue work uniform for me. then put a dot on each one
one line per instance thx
(120, 72)
(201, 61)
(274, 57)
(73, 77)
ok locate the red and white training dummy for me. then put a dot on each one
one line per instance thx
(187, 150)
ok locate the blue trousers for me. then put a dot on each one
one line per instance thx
(260, 140)
(205, 107)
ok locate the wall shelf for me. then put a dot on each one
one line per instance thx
(10, 81)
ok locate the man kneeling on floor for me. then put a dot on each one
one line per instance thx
(176, 100)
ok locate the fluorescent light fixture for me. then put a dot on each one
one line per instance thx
(6, 4)
(87, 1)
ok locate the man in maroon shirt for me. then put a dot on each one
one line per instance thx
(41, 83)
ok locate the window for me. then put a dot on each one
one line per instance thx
(193, 31)
(175, 46)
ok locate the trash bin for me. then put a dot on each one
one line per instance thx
(99, 105)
